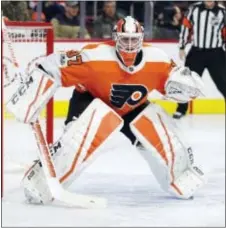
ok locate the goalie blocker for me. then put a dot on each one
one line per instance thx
(31, 96)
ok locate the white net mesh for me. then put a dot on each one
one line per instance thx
(29, 45)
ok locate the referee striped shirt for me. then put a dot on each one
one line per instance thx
(205, 28)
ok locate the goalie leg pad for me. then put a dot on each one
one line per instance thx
(84, 140)
(31, 96)
(171, 161)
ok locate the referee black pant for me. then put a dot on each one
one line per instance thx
(212, 59)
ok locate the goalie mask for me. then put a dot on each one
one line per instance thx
(128, 35)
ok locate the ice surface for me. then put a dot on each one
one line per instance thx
(122, 176)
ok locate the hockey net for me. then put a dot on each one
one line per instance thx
(30, 42)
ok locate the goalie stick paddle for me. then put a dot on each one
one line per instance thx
(58, 192)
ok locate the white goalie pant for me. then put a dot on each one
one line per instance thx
(80, 144)
(168, 156)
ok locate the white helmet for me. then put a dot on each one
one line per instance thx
(128, 35)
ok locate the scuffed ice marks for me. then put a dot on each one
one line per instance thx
(121, 175)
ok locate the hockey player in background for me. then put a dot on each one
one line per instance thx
(119, 74)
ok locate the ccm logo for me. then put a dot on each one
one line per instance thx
(198, 170)
(21, 91)
(174, 91)
(190, 155)
(55, 148)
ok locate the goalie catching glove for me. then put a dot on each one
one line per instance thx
(183, 85)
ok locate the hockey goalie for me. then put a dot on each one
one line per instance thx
(119, 74)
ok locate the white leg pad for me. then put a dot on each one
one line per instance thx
(84, 140)
(168, 156)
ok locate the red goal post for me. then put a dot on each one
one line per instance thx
(31, 41)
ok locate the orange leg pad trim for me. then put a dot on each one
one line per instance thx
(146, 127)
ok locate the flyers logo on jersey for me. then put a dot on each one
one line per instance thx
(127, 94)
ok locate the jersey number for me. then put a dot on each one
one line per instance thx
(76, 58)
(130, 94)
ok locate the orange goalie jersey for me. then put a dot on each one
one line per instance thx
(98, 68)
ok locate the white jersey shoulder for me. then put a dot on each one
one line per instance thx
(90, 52)
(154, 54)
(98, 52)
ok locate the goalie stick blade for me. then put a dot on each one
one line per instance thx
(74, 199)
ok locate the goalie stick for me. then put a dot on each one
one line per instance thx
(56, 189)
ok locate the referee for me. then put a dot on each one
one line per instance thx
(205, 23)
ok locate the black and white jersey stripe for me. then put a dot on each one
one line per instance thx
(204, 26)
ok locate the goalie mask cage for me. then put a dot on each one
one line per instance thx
(30, 42)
